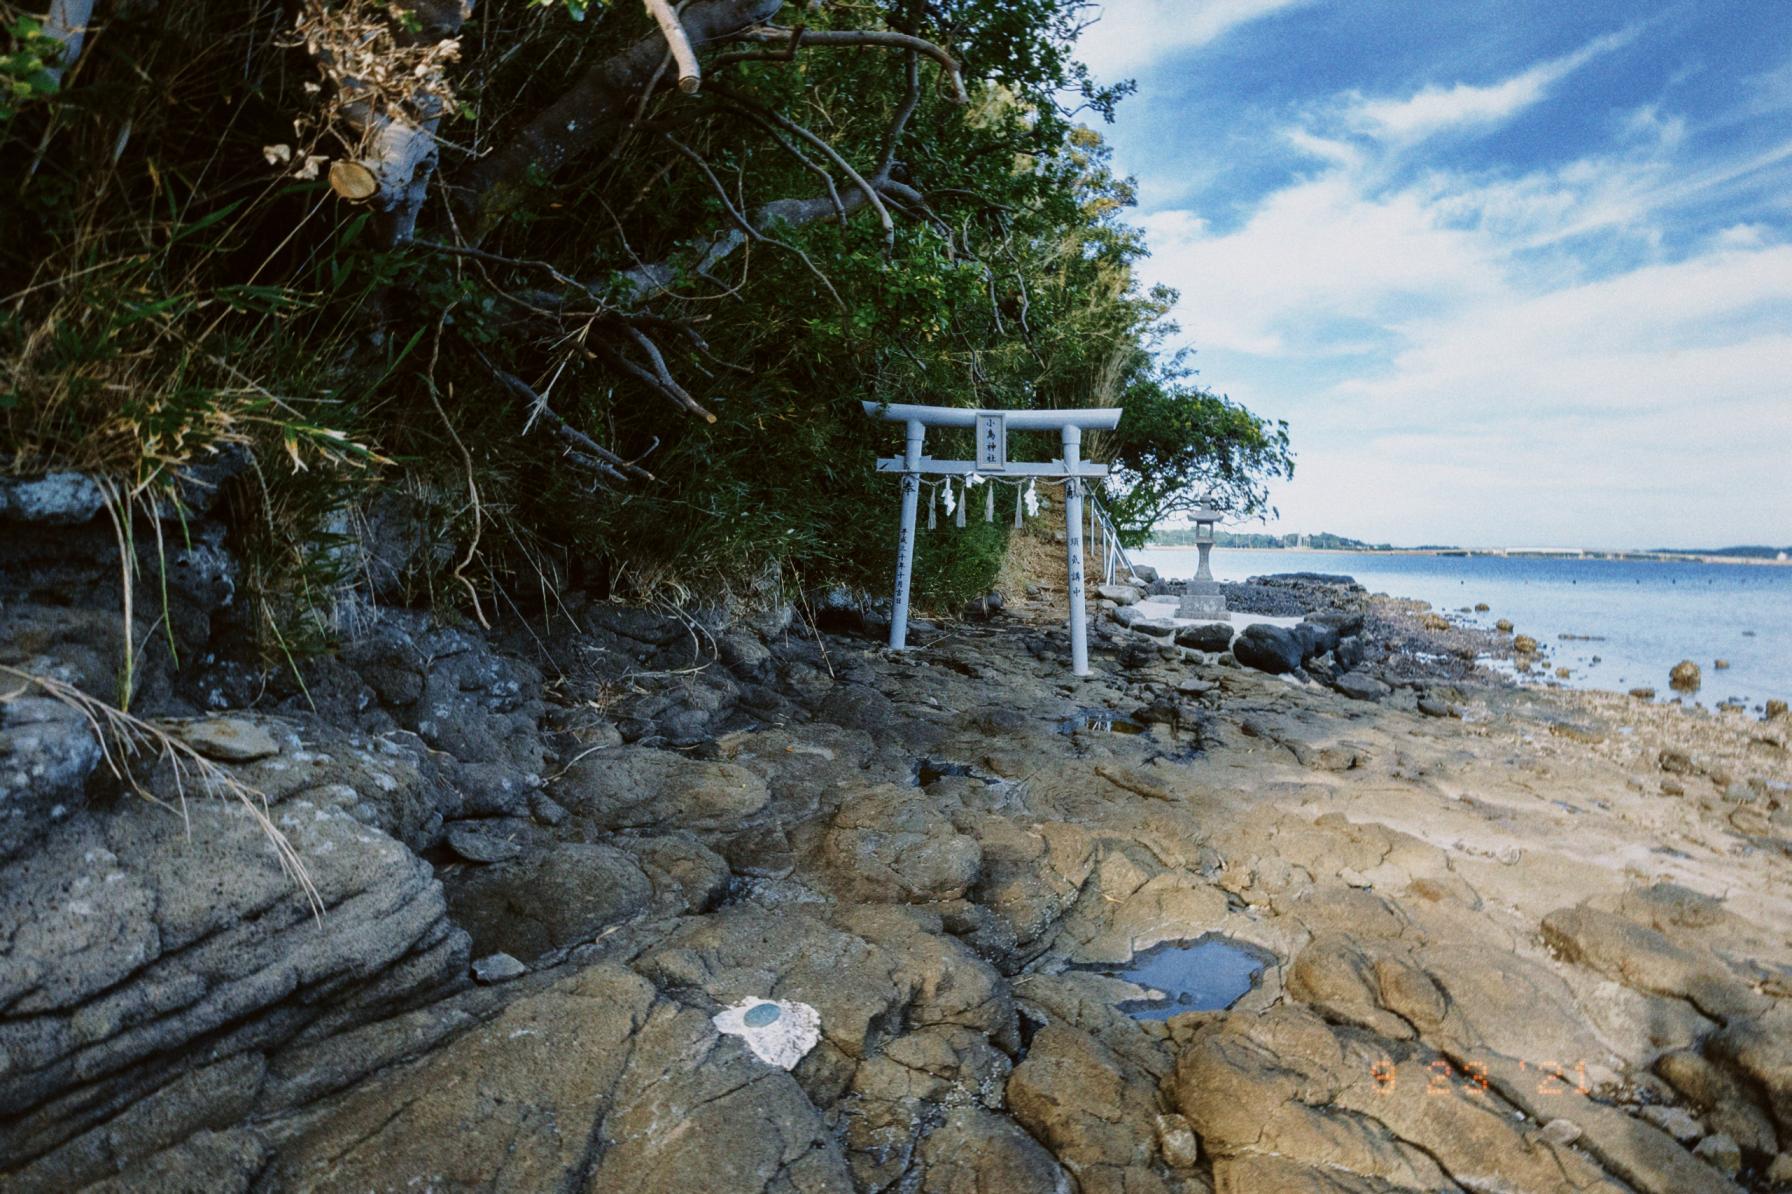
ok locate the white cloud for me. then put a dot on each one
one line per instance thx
(1436, 109)
(1132, 34)
(1519, 389)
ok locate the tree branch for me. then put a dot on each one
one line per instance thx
(594, 108)
(690, 75)
(828, 151)
(834, 38)
(582, 448)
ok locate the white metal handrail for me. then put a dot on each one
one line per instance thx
(1113, 556)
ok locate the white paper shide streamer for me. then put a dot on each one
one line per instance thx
(779, 1032)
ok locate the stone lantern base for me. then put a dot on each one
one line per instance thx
(1202, 599)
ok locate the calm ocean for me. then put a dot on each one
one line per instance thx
(1644, 616)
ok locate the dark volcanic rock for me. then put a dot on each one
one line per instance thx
(47, 751)
(558, 897)
(1206, 636)
(138, 937)
(1273, 649)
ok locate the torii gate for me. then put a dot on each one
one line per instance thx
(992, 427)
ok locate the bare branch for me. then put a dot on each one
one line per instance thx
(910, 100)
(829, 152)
(690, 75)
(609, 462)
(592, 110)
(834, 38)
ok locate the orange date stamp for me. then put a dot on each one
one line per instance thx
(1470, 1078)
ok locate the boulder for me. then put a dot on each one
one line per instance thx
(1362, 686)
(1146, 573)
(638, 787)
(889, 843)
(1118, 594)
(1316, 638)
(1504, 626)
(1721, 1153)
(1685, 676)
(561, 896)
(1206, 636)
(1273, 649)
(511, 1106)
(47, 751)
(1128, 615)
(144, 944)
(974, 1150)
(228, 739)
(1345, 622)
(1524, 644)
(1163, 628)
(1082, 1101)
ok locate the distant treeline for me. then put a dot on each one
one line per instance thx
(1324, 541)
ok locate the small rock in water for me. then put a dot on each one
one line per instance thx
(1482, 607)
(1563, 673)
(1504, 625)
(1524, 644)
(1720, 1152)
(1643, 694)
(498, 968)
(1720, 664)
(1776, 709)
(1685, 677)
(229, 739)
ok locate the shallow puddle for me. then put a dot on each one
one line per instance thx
(929, 770)
(1208, 974)
(1104, 721)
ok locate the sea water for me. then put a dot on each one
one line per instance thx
(1633, 619)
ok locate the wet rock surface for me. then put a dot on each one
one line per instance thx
(1482, 954)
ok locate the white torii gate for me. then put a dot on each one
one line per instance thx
(992, 427)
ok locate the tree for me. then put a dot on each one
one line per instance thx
(604, 285)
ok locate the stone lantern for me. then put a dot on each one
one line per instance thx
(1203, 598)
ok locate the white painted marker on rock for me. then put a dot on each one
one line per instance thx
(780, 1032)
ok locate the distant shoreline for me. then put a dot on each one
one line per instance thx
(1638, 557)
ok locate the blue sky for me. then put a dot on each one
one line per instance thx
(1516, 272)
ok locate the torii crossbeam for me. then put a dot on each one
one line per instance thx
(992, 427)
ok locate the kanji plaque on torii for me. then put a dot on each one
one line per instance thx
(991, 429)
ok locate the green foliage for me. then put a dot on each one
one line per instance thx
(175, 283)
(28, 65)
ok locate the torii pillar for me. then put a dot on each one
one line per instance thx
(992, 460)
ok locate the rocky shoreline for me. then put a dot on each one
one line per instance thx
(1498, 938)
